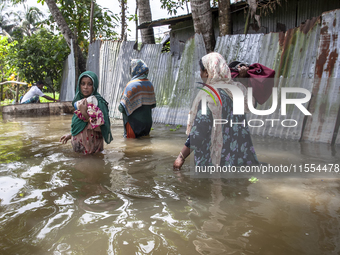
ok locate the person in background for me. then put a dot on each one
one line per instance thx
(90, 122)
(32, 96)
(222, 145)
(137, 101)
(257, 76)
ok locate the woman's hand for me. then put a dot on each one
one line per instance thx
(83, 106)
(181, 158)
(178, 162)
(83, 109)
(243, 71)
(65, 138)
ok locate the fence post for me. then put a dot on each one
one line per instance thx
(17, 92)
(1, 91)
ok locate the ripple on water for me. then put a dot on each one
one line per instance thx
(10, 188)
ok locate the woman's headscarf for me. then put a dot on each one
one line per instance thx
(218, 73)
(77, 124)
(138, 69)
(216, 67)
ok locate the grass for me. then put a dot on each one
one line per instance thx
(42, 100)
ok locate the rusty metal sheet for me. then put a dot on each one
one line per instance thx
(292, 55)
(322, 126)
(294, 63)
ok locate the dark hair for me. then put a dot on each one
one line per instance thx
(234, 64)
(39, 83)
(201, 65)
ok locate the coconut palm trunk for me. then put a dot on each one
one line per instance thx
(202, 18)
(148, 36)
(224, 17)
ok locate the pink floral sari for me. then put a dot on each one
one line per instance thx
(90, 140)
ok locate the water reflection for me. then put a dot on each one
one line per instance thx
(128, 200)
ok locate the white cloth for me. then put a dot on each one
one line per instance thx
(34, 91)
(91, 99)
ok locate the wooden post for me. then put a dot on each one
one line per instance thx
(246, 26)
(123, 19)
(91, 22)
(136, 21)
(17, 92)
(1, 92)
(76, 67)
(1, 86)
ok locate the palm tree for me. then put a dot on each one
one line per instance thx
(28, 20)
(202, 19)
(6, 26)
(148, 36)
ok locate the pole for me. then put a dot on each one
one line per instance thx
(136, 20)
(17, 92)
(76, 67)
(91, 22)
(1, 86)
(246, 26)
(1, 92)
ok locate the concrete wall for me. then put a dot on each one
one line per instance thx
(38, 109)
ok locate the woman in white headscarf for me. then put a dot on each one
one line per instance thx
(224, 144)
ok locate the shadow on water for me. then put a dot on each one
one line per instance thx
(128, 200)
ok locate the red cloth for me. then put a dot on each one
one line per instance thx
(129, 131)
(261, 80)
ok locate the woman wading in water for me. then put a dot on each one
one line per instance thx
(91, 122)
(224, 144)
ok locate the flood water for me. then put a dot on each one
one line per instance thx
(128, 200)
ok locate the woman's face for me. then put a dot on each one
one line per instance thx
(86, 86)
(204, 75)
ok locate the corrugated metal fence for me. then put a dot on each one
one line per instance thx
(304, 57)
(67, 91)
(173, 78)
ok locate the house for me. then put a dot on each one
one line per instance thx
(290, 14)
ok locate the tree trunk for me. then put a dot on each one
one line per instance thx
(91, 22)
(224, 17)
(135, 47)
(66, 31)
(17, 92)
(123, 20)
(202, 18)
(1, 80)
(148, 36)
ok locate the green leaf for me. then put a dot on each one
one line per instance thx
(253, 179)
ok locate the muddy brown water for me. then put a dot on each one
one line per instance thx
(128, 200)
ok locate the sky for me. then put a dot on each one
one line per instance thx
(113, 5)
